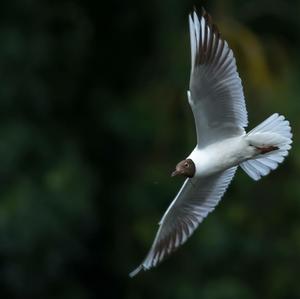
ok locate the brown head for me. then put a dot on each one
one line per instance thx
(186, 168)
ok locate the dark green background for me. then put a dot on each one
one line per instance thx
(94, 116)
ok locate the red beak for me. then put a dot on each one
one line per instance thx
(174, 173)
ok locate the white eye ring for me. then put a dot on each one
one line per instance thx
(186, 164)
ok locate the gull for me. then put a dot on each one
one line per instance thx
(217, 101)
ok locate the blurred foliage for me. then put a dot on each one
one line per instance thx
(94, 117)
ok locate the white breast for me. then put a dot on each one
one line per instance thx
(220, 155)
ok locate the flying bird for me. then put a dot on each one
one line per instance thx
(216, 97)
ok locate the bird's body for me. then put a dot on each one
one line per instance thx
(221, 155)
(217, 101)
(227, 153)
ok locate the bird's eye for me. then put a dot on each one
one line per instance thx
(186, 164)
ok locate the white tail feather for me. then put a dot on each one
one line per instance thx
(274, 131)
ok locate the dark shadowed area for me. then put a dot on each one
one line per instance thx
(93, 119)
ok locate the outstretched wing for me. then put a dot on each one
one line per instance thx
(216, 93)
(196, 198)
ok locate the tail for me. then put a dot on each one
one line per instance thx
(274, 133)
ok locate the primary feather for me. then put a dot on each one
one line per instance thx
(216, 93)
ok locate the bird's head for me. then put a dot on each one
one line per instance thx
(186, 168)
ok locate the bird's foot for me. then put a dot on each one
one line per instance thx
(266, 149)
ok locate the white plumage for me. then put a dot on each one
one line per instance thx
(275, 131)
(217, 101)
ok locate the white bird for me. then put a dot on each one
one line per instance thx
(217, 101)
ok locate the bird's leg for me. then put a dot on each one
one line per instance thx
(266, 149)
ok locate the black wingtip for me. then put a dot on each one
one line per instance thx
(209, 20)
(192, 11)
(203, 11)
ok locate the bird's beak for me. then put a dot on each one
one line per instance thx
(174, 173)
